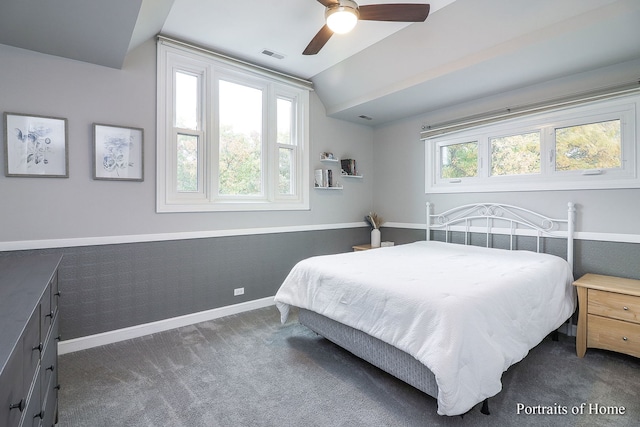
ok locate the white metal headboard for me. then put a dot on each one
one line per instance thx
(495, 218)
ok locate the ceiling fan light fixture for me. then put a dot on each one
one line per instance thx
(342, 17)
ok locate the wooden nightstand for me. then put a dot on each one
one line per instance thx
(609, 315)
(357, 248)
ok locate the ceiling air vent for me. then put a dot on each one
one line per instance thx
(272, 54)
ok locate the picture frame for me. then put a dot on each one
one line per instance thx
(35, 146)
(118, 153)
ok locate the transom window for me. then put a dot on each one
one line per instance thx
(591, 146)
(230, 137)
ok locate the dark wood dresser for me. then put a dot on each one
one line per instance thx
(28, 340)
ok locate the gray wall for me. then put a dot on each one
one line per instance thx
(111, 286)
(400, 167)
(603, 217)
(80, 207)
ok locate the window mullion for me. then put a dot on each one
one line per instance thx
(212, 120)
(269, 146)
(547, 150)
(484, 154)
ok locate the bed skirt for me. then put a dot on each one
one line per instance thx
(380, 354)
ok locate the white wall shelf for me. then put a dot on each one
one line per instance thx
(329, 188)
(334, 164)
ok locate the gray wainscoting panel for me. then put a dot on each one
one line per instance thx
(609, 258)
(110, 287)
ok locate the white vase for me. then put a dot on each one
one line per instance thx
(375, 238)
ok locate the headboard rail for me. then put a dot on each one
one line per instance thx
(496, 218)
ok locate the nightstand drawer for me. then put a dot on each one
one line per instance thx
(614, 305)
(615, 335)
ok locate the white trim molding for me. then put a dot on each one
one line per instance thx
(21, 245)
(110, 337)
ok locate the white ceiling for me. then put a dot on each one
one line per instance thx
(466, 49)
(245, 28)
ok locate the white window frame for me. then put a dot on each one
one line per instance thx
(624, 108)
(211, 68)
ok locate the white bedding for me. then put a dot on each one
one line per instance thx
(467, 313)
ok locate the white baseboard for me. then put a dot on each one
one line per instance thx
(97, 340)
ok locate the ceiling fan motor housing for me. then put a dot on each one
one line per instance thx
(342, 16)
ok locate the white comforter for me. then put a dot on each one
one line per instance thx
(467, 313)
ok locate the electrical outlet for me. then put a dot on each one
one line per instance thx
(238, 291)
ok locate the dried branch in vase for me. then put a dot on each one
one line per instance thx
(374, 220)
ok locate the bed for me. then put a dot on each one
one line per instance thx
(447, 318)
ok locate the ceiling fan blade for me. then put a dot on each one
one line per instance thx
(327, 3)
(397, 12)
(318, 41)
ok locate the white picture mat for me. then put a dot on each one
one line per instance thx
(36, 145)
(118, 152)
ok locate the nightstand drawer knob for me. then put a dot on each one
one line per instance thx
(625, 308)
(624, 338)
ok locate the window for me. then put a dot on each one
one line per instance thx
(231, 137)
(459, 160)
(515, 154)
(590, 146)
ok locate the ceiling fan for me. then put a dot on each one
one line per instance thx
(343, 15)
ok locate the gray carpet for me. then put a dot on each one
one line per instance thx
(248, 370)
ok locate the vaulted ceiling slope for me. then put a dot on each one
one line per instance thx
(465, 50)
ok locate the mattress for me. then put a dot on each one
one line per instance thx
(466, 313)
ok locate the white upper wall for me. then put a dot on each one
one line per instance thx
(36, 209)
(399, 161)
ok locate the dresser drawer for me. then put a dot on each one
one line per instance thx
(45, 312)
(49, 362)
(31, 348)
(55, 293)
(614, 305)
(33, 413)
(615, 335)
(13, 396)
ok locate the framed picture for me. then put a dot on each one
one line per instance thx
(118, 153)
(35, 146)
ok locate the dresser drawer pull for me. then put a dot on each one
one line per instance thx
(51, 368)
(50, 314)
(38, 347)
(39, 415)
(58, 294)
(625, 308)
(624, 338)
(19, 405)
